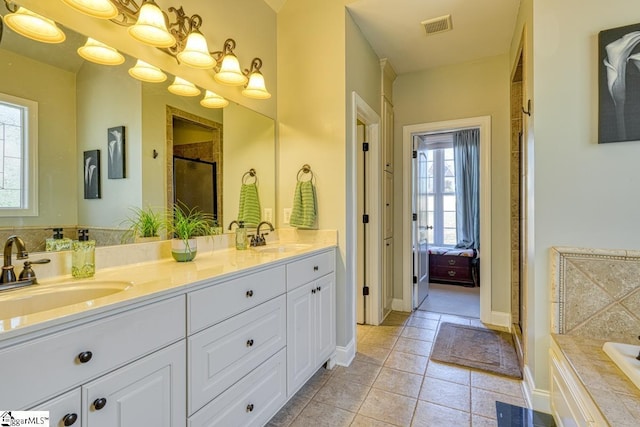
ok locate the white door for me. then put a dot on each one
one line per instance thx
(387, 279)
(420, 228)
(300, 336)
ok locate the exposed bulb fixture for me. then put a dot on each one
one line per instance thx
(151, 27)
(230, 72)
(102, 9)
(31, 25)
(256, 88)
(147, 72)
(100, 53)
(213, 100)
(196, 52)
(183, 88)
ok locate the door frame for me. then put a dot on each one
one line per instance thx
(484, 124)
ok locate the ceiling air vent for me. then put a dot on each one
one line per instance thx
(437, 25)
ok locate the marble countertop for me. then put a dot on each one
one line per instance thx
(615, 395)
(150, 280)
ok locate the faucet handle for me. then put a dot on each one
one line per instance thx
(28, 273)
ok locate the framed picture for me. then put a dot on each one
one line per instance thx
(116, 151)
(619, 84)
(92, 174)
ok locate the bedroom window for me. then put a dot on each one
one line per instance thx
(18, 142)
(441, 190)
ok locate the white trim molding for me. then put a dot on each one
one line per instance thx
(345, 355)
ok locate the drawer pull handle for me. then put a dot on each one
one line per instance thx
(85, 356)
(249, 343)
(99, 403)
(250, 407)
(69, 419)
(319, 288)
(452, 262)
(313, 291)
(315, 268)
(451, 273)
(249, 294)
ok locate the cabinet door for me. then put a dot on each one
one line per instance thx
(300, 336)
(388, 205)
(63, 410)
(325, 326)
(387, 134)
(387, 276)
(149, 392)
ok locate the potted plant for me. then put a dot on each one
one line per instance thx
(186, 224)
(144, 225)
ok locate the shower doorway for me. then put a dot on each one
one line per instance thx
(194, 183)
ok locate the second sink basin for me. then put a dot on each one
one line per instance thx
(624, 356)
(37, 298)
(282, 248)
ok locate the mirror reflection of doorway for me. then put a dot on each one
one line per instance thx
(194, 183)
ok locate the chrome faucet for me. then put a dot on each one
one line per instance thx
(8, 275)
(258, 239)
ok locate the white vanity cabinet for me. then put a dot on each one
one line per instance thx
(64, 410)
(311, 327)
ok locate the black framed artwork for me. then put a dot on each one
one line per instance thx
(92, 174)
(619, 84)
(116, 152)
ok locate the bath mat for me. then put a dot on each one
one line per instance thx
(478, 348)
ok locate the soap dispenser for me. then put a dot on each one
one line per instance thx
(83, 255)
(241, 236)
(58, 242)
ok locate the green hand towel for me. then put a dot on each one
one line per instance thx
(249, 209)
(304, 212)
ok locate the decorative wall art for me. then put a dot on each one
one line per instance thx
(116, 150)
(92, 174)
(619, 84)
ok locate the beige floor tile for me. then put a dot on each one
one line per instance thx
(449, 318)
(426, 314)
(406, 362)
(399, 382)
(396, 318)
(449, 373)
(445, 393)
(342, 394)
(362, 331)
(315, 383)
(289, 412)
(362, 421)
(408, 345)
(358, 372)
(419, 322)
(319, 414)
(378, 339)
(496, 383)
(428, 414)
(418, 333)
(483, 402)
(388, 407)
(372, 354)
(478, 421)
(388, 329)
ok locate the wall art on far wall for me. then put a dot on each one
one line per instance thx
(619, 84)
(116, 151)
(92, 174)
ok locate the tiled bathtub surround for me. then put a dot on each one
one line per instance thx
(596, 293)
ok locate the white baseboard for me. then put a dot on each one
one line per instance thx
(502, 319)
(345, 355)
(540, 400)
(397, 304)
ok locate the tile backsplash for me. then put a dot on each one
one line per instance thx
(596, 293)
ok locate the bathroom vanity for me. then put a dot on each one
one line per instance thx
(224, 340)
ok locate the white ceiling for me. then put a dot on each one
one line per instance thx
(481, 28)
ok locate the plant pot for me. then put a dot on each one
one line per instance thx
(139, 239)
(184, 250)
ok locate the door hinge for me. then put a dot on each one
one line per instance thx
(414, 154)
(414, 216)
(365, 146)
(365, 291)
(415, 279)
(365, 219)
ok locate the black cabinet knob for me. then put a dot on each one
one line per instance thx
(69, 419)
(319, 288)
(250, 407)
(249, 294)
(249, 343)
(99, 403)
(315, 268)
(313, 291)
(85, 356)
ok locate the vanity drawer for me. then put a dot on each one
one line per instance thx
(309, 269)
(222, 354)
(252, 401)
(221, 301)
(41, 368)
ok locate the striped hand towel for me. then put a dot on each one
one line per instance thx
(249, 209)
(304, 212)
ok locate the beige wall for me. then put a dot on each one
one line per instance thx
(57, 196)
(478, 88)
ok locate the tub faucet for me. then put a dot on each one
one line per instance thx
(258, 239)
(8, 275)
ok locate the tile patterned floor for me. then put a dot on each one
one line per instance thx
(392, 382)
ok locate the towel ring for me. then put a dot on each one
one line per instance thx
(305, 169)
(248, 175)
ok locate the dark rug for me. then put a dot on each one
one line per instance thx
(516, 416)
(479, 348)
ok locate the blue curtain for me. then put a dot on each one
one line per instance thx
(466, 155)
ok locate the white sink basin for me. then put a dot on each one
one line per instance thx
(36, 298)
(281, 248)
(624, 356)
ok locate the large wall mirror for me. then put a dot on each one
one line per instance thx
(79, 101)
